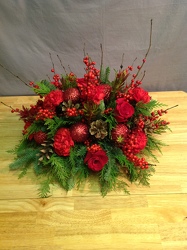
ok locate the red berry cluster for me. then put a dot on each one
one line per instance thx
(56, 79)
(44, 114)
(72, 112)
(15, 110)
(91, 78)
(33, 85)
(140, 124)
(108, 110)
(138, 162)
(153, 121)
(94, 148)
(127, 94)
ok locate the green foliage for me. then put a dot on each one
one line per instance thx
(52, 125)
(44, 189)
(154, 144)
(25, 158)
(143, 175)
(147, 108)
(45, 88)
(104, 75)
(109, 174)
(34, 127)
(79, 169)
(68, 82)
(60, 170)
(111, 121)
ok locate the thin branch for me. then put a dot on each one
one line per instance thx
(62, 64)
(84, 49)
(7, 105)
(101, 57)
(122, 60)
(150, 38)
(52, 61)
(172, 107)
(150, 41)
(143, 76)
(15, 75)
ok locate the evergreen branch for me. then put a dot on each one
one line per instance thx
(33, 128)
(44, 189)
(60, 170)
(104, 75)
(146, 108)
(43, 88)
(154, 144)
(144, 175)
(25, 159)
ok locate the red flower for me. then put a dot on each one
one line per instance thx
(141, 95)
(96, 160)
(53, 99)
(141, 141)
(136, 142)
(62, 142)
(81, 81)
(97, 94)
(123, 110)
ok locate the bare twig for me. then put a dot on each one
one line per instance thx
(121, 66)
(52, 61)
(62, 64)
(150, 41)
(172, 107)
(15, 75)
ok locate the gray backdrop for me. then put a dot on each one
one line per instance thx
(30, 29)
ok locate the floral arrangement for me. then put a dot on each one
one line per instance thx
(91, 126)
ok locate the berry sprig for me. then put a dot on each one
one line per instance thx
(94, 148)
(44, 114)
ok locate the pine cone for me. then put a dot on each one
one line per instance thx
(98, 129)
(46, 151)
(148, 129)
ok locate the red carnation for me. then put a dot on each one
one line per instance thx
(141, 95)
(63, 142)
(96, 160)
(141, 141)
(53, 99)
(81, 81)
(123, 110)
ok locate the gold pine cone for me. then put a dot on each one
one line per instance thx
(98, 128)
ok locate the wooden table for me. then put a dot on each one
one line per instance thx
(149, 218)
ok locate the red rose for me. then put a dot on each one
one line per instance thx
(96, 160)
(123, 110)
(63, 142)
(141, 95)
(53, 99)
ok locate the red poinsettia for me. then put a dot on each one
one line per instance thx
(63, 142)
(96, 160)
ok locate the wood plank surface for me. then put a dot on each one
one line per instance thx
(152, 217)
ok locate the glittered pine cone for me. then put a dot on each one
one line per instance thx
(98, 128)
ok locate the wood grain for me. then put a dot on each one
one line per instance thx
(149, 218)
